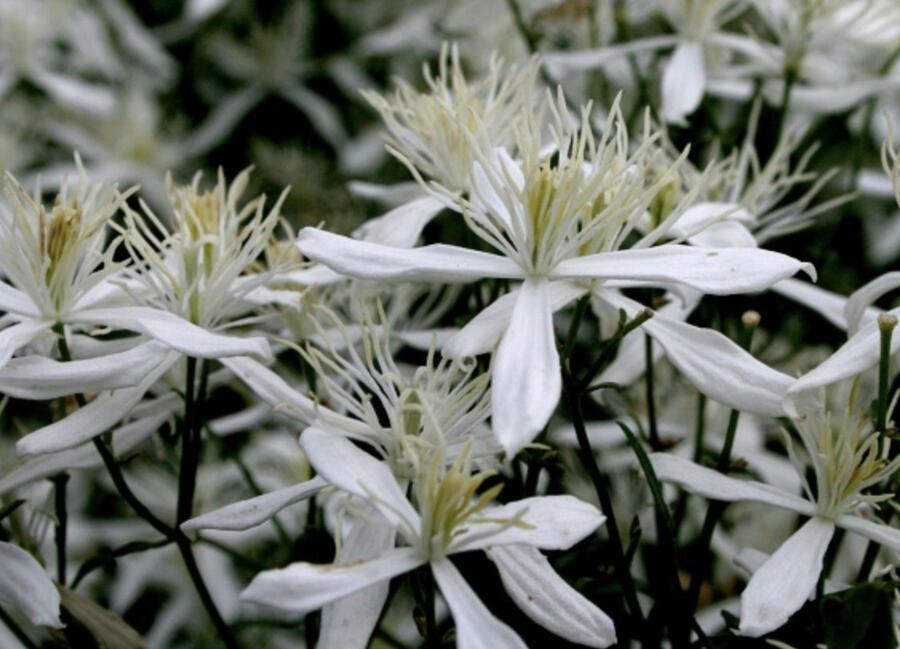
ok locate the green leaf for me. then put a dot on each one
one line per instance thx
(859, 618)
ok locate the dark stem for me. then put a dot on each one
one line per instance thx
(60, 480)
(651, 401)
(17, 631)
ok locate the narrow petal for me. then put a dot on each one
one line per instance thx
(37, 377)
(726, 234)
(548, 599)
(15, 301)
(716, 486)
(356, 472)
(434, 263)
(349, 622)
(778, 589)
(862, 298)
(91, 98)
(392, 195)
(717, 271)
(550, 523)
(482, 333)
(857, 355)
(25, 585)
(476, 626)
(249, 513)
(306, 587)
(98, 416)
(220, 122)
(683, 82)
(889, 536)
(321, 113)
(525, 381)
(176, 332)
(827, 304)
(402, 226)
(271, 388)
(18, 335)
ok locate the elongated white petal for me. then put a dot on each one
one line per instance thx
(551, 523)
(862, 298)
(98, 416)
(727, 234)
(716, 486)
(683, 82)
(270, 387)
(481, 333)
(392, 195)
(176, 332)
(718, 271)
(254, 511)
(15, 301)
(857, 355)
(317, 275)
(827, 304)
(91, 98)
(305, 587)
(476, 626)
(889, 536)
(25, 585)
(19, 335)
(37, 377)
(356, 472)
(220, 122)
(525, 381)
(778, 589)
(320, 112)
(587, 59)
(402, 226)
(348, 623)
(548, 599)
(434, 263)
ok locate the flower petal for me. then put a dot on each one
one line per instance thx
(175, 332)
(476, 626)
(434, 263)
(37, 377)
(550, 523)
(862, 298)
(716, 486)
(305, 587)
(270, 387)
(18, 335)
(402, 226)
(25, 585)
(778, 589)
(683, 82)
(249, 513)
(546, 598)
(884, 534)
(356, 472)
(15, 301)
(98, 416)
(717, 271)
(827, 304)
(525, 380)
(725, 234)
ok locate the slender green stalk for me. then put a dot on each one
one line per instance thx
(651, 400)
(60, 480)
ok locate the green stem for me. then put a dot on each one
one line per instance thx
(60, 480)
(651, 401)
(191, 440)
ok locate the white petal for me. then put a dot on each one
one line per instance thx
(14, 300)
(271, 388)
(316, 275)
(702, 215)
(402, 226)
(25, 585)
(827, 304)
(727, 234)
(857, 355)
(778, 589)
(476, 626)
(323, 116)
(356, 472)
(434, 263)
(387, 194)
(683, 82)
(19, 335)
(551, 523)
(249, 513)
(548, 599)
(91, 98)
(348, 623)
(176, 332)
(481, 333)
(889, 536)
(98, 416)
(525, 380)
(716, 486)
(37, 377)
(719, 271)
(862, 298)
(587, 59)
(305, 587)
(220, 122)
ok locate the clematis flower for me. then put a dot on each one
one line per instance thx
(562, 219)
(846, 463)
(448, 518)
(25, 585)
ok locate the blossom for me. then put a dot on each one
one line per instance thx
(846, 462)
(555, 220)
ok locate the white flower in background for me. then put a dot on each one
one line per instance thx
(182, 288)
(555, 219)
(846, 463)
(449, 516)
(25, 585)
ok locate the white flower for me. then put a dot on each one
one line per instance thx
(25, 585)
(554, 220)
(449, 518)
(846, 463)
